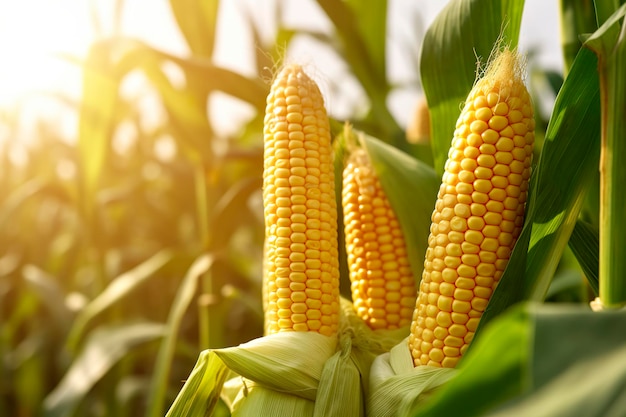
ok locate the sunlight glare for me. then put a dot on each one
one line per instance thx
(34, 34)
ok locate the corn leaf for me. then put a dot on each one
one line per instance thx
(371, 21)
(522, 367)
(604, 9)
(96, 122)
(567, 281)
(557, 191)
(464, 30)
(119, 288)
(103, 349)
(361, 31)
(186, 107)
(206, 76)
(197, 20)
(411, 187)
(184, 298)
(202, 389)
(223, 223)
(585, 243)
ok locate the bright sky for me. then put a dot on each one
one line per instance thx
(30, 31)
(35, 35)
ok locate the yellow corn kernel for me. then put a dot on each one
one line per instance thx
(383, 287)
(491, 178)
(301, 265)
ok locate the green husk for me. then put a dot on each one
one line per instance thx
(201, 391)
(256, 400)
(366, 344)
(340, 391)
(291, 373)
(396, 386)
(288, 362)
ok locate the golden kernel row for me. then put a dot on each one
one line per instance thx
(302, 275)
(383, 287)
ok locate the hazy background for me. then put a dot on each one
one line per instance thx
(40, 38)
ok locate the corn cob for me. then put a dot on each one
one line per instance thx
(302, 266)
(418, 130)
(383, 287)
(478, 214)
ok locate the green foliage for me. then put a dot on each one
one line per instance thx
(585, 244)
(108, 242)
(540, 360)
(105, 347)
(184, 298)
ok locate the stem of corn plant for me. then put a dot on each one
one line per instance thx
(202, 211)
(613, 177)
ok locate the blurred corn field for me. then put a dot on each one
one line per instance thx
(128, 249)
